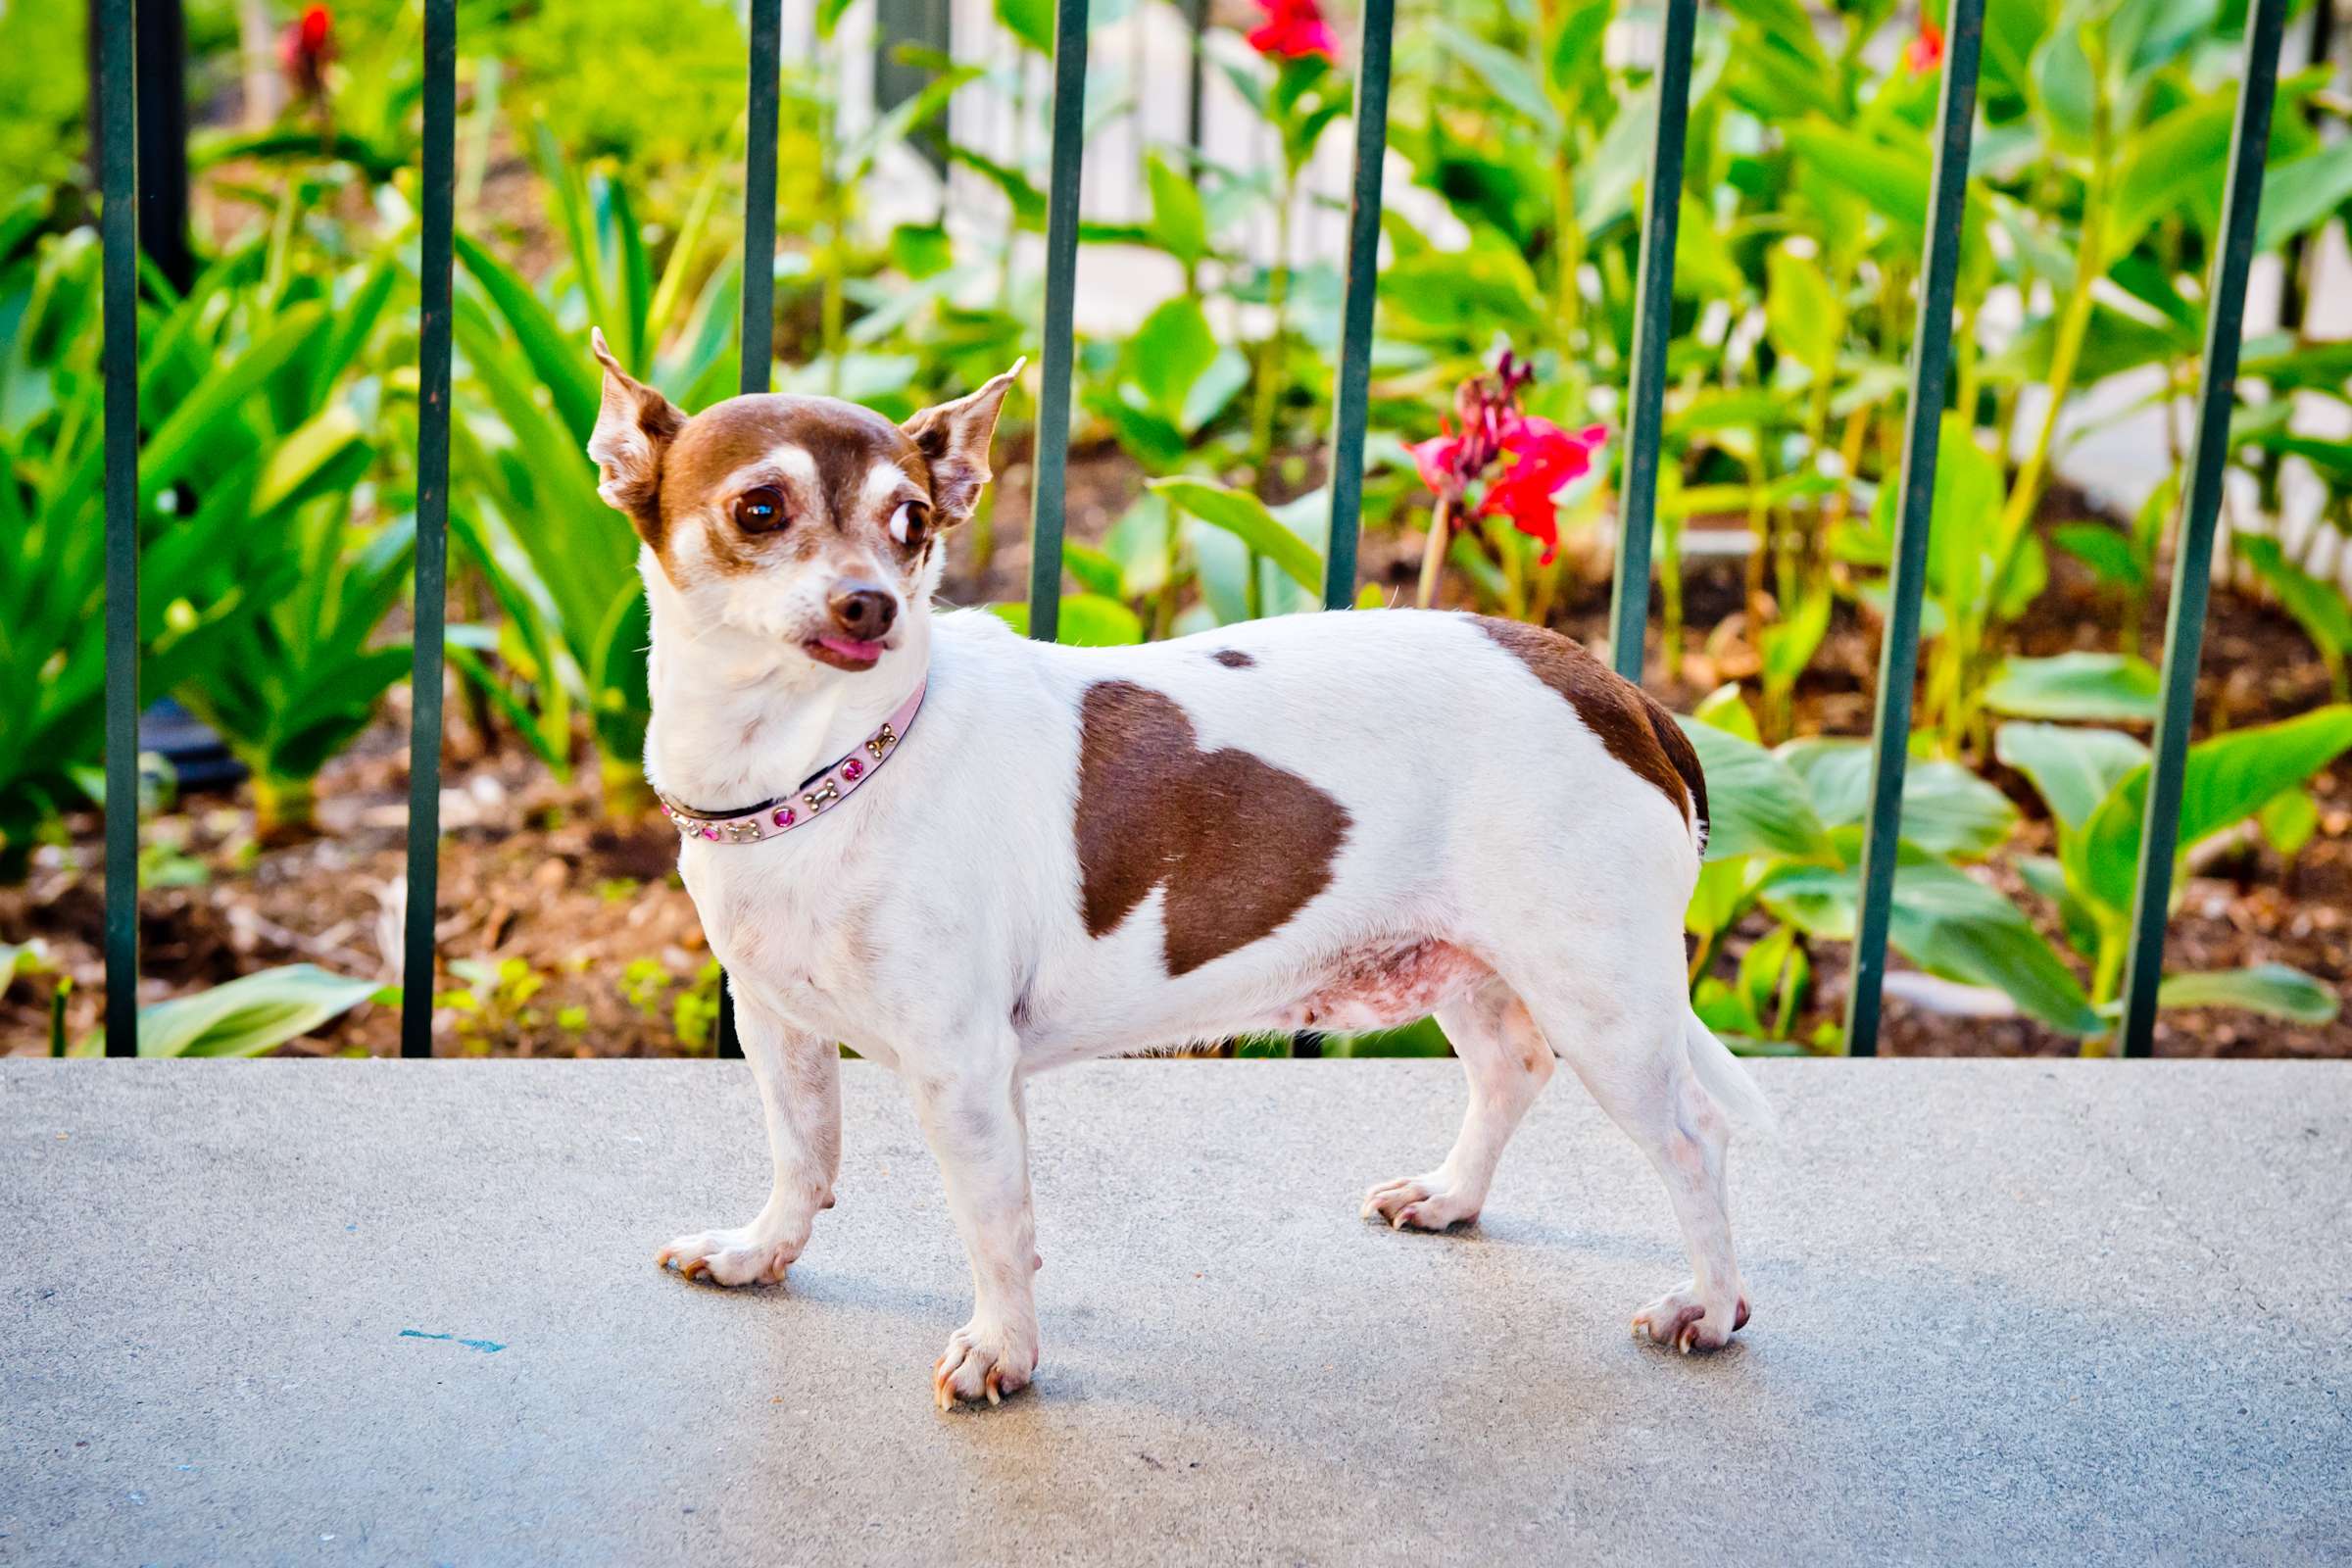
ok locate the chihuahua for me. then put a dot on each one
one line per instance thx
(971, 856)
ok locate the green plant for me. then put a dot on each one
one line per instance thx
(692, 1005)
(2096, 784)
(494, 1007)
(248, 1016)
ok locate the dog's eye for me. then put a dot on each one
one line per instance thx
(910, 523)
(759, 510)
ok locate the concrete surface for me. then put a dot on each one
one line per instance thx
(2005, 1312)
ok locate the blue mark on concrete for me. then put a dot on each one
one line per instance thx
(486, 1347)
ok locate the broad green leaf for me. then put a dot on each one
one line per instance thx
(2106, 551)
(1246, 518)
(2303, 194)
(251, 1015)
(1946, 808)
(1727, 709)
(2086, 686)
(1179, 223)
(1799, 312)
(2225, 781)
(1949, 924)
(2288, 822)
(1087, 620)
(1507, 77)
(2275, 989)
(1170, 351)
(1755, 804)
(2320, 607)
(2073, 768)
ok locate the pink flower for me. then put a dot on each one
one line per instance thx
(1293, 30)
(305, 48)
(1926, 51)
(1543, 458)
(1539, 456)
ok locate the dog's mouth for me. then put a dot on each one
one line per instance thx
(845, 653)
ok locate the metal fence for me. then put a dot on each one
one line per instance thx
(1931, 354)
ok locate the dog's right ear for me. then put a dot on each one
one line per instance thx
(634, 427)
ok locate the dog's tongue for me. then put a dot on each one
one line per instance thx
(851, 647)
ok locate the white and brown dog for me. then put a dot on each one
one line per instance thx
(972, 856)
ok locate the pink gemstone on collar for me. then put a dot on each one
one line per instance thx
(710, 831)
(853, 770)
(783, 818)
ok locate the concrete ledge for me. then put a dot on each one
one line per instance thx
(2005, 1312)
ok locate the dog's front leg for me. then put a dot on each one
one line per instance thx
(800, 1089)
(979, 1132)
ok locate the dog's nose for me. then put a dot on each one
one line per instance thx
(862, 610)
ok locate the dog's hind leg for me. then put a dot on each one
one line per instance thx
(1507, 1062)
(1620, 1025)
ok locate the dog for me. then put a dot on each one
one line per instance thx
(971, 856)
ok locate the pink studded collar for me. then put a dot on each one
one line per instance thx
(817, 794)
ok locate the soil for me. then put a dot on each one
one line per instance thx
(600, 941)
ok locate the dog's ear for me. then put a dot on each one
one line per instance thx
(954, 438)
(633, 429)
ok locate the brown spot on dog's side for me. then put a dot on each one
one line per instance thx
(1233, 659)
(1237, 844)
(1632, 725)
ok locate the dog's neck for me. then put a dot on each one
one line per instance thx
(738, 720)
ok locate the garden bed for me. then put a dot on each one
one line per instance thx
(578, 939)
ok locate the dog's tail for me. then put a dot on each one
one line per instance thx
(1720, 1072)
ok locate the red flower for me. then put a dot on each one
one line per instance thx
(1926, 51)
(1293, 30)
(305, 48)
(1543, 458)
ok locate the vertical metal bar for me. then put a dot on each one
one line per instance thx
(1051, 463)
(761, 90)
(1898, 654)
(1196, 17)
(117, 154)
(2193, 554)
(757, 348)
(439, 177)
(1653, 295)
(1352, 398)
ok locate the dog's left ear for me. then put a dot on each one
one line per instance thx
(953, 439)
(634, 426)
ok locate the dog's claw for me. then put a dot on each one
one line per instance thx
(995, 1395)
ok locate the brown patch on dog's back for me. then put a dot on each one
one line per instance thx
(1239, 845)
(1632, 725)
(1233, 659)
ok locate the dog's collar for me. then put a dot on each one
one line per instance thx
(819, 793)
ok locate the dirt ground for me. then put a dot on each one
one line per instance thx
(602, 955)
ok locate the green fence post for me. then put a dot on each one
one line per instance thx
(762, 91)
(755, 343)
(1653, 322)
(118, 233)
(1352, 396)
(1049, 468)
(2192, 557)
(1898, 652)
(439, 177)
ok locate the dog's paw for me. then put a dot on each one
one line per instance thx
(1424, 1202)
(1681, 1321)
(729, 1258)
(983, 1361)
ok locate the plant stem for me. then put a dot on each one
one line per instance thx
(1432, 553)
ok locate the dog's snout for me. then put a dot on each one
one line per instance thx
(862, 610)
